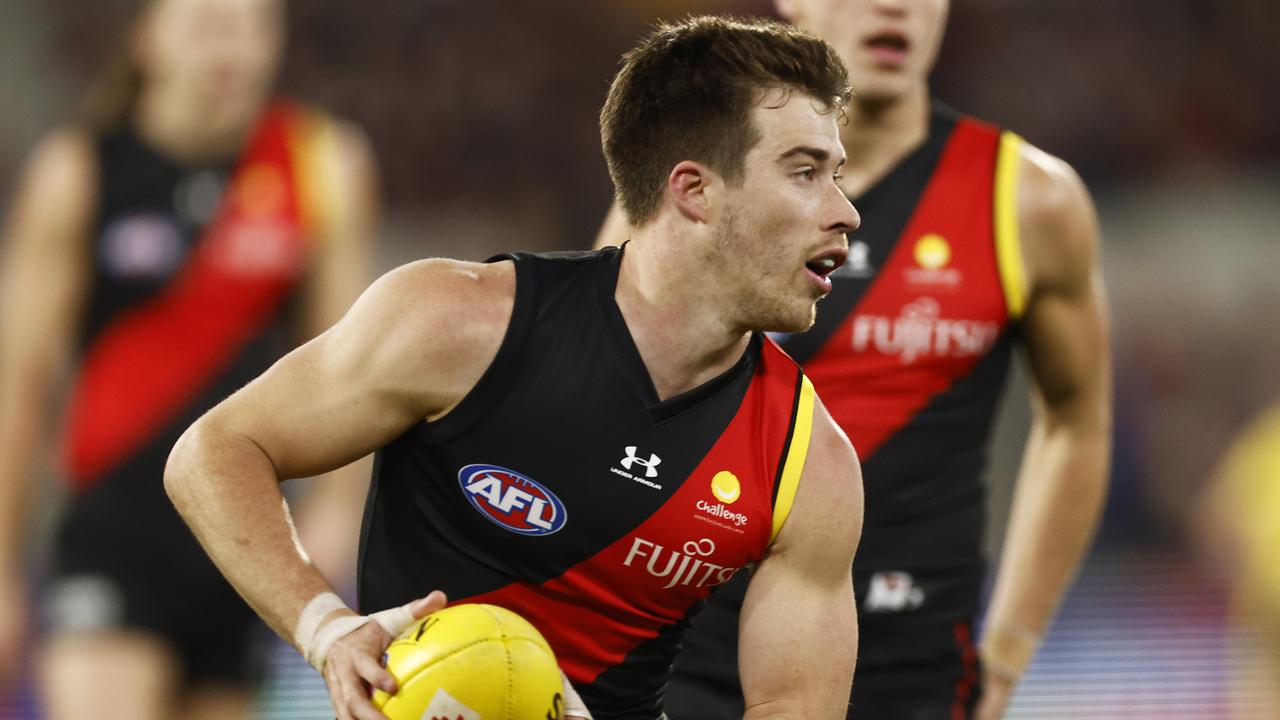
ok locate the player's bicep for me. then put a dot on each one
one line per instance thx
(398, 356)
(798, 632)
(44, 263)
(1066, 323)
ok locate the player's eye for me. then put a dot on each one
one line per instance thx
(807, 173)
(837, 176)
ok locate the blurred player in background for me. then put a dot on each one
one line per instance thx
(175, 240)
(592, 440)
(972, 242)
(1240, 528)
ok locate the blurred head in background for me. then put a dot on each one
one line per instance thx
(889, 46)
(205, 64)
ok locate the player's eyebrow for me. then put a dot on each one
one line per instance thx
(818, 154)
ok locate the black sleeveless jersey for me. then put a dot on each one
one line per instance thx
(562, 488)
(192, 273)
(910, 353)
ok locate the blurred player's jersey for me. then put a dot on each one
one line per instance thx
(193, 269)
(909, 353)
(562, 488)
(192, 273)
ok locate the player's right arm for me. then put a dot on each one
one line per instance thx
(42, 281)
(798, 631)
(412, 346)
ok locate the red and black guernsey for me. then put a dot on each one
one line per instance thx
(562, 488)
(194, 268)
(910, 354)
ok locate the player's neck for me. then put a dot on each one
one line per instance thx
(180, 130)
(880, 134)
(673, 318)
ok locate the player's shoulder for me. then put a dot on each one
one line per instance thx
(332, 140)
(827, 511)
(1057, 222)
(438, 319)
(446, 288)
(64, 157)
(58, 188)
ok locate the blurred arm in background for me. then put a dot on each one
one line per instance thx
(330, 514)
(1062, 483)
(42, 288)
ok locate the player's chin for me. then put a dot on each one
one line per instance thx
(795, 320)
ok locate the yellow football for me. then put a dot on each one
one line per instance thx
(472, 662)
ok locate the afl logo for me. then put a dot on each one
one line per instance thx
(511, 500)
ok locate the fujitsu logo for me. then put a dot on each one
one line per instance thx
(650, 466)
(683, 568)
(919, 331)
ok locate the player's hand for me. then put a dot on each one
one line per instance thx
(353, 663)
(13, 628)
(996, 690)
(574, 708)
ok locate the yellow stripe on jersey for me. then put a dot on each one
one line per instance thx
(793, 466)
(311, 143)
(1008, 243)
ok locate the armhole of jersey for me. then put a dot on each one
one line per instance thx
(313, 148)
(491, 388)
(1008, 242)
(796, 453)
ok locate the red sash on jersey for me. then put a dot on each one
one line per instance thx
(156, 358)
(934, 309)
(601, 609)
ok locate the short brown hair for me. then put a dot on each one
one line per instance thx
(686, 93)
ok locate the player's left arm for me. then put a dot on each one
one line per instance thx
(1063, 480)
(344, 186)
(798, 629)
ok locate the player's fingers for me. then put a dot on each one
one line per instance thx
(435, 600)
(355, 699)
(376, 675)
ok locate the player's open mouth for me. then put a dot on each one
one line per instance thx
(821, 267)
(888, 47)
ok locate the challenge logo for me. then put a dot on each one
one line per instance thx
(686, 566)
(932, 254)
(725, 487)
(511, 500)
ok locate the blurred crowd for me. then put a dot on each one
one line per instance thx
(489, 109)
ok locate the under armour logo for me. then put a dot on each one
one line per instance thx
(650, 466)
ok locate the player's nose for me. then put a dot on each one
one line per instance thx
(842, 216)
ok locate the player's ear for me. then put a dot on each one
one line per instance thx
(688, 184)
(786, 9)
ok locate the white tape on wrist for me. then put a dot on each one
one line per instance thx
(315, 637)
(313, 614)
(318, 651)
(313, 640)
